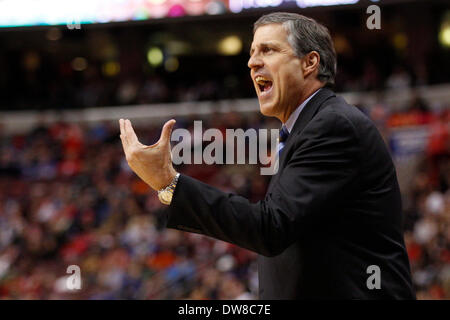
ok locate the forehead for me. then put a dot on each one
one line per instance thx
(270, 33)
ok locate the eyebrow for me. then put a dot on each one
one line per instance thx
(265, 44)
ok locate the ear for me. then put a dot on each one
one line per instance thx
(310, 63)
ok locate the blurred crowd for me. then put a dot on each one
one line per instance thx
(427, 213)
(68, 197)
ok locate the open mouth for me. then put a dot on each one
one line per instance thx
(264, 84)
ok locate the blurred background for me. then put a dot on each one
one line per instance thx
(70, 69)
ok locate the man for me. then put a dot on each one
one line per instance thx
(330, 225)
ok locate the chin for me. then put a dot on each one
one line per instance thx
(267, 110)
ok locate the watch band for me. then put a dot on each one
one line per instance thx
(165, 195)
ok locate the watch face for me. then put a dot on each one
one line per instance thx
(166, 196)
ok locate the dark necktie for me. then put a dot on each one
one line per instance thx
(284, 133)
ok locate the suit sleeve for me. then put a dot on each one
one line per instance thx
(323, 163)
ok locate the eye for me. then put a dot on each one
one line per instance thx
(267, 49)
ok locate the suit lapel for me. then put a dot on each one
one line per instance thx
(308, 112)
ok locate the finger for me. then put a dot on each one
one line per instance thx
(122, 134)
(167, 131)
(130, 134)
(124, 143)
(122, 126)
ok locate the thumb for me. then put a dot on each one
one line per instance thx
(167, 131)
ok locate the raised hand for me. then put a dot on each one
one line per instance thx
(153, 164)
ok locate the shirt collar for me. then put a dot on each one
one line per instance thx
(294, 115)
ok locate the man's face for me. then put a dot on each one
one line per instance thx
(276, 72)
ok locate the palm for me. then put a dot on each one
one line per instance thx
(152, 163)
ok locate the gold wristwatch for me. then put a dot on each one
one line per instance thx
(165, 195)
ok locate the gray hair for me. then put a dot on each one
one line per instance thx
(306, 35)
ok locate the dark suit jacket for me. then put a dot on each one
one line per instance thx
(332, 210)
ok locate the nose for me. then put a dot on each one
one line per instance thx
(254, 62)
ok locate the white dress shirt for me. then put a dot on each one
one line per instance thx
(294, 115)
